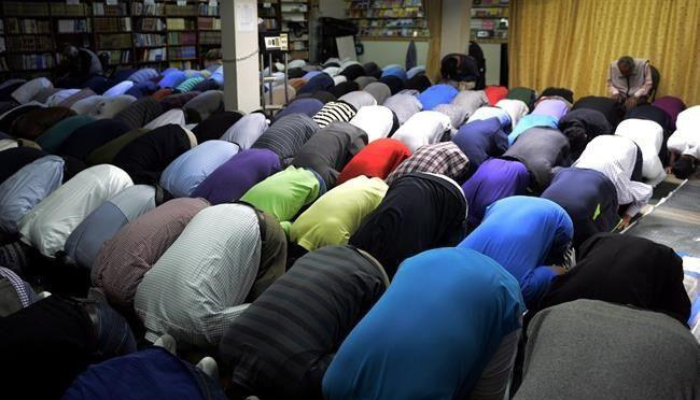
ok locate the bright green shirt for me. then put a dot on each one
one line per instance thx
(284, 193)
(338, 214)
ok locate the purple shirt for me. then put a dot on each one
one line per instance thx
(494, 180)
(234, 177)
(672, 106)
(551, 107)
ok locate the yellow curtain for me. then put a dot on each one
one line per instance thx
(433, 14)
(570, 43)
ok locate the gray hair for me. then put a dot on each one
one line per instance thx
(627, 61)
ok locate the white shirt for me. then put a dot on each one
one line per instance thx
(58, 97)
(649, 136)
(27, 92)
(376, 121)
(108, 107)
(87, 106)
(50, 222)
(485, 113)
(515, 108)
(615, 157)
(425, 127)
(118, 89)
(175, 116)
(689, 119)
(193, 290)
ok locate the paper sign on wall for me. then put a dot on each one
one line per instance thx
(245, 16)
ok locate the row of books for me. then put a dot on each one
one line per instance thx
(189, 10)
(150, 24)
(114, 41)
(182, 38)
(180, 53)
(73, 25)
(116, 24)
(148, 39)
(209, 9)
(29, 43)
(209, 23)
(30, 62)
(119, 56)
(16, 25)
(404, 12)
(69, 10)
(160, 54)
(180, 24)
(209, 37)
(147, 9)
(397, 32)
(116, 10)
(25, 9)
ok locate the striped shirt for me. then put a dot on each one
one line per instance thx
(334, 111)
(140, 112)
(175, 117)
(286, 136)
(124, 259)
(440, 158)
(193, 289)
(143, 74)
(50, 223)
(300, 321)
(18, 284)
(184, 174)
(614, 157)
(333, 218)
(189, 84)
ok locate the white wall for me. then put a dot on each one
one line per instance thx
(492, 54)
(392, 52)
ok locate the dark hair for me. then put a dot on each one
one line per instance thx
(213, 55)
(577, 138)
(683, 167)
(627, 61)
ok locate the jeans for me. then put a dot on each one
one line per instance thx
(113, 334)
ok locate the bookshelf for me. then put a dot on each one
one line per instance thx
(138, 33)
(489, 21)
(382, 19)
(294, 18)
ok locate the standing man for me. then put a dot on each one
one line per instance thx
(629, 81)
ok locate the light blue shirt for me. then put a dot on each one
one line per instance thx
(184, 174)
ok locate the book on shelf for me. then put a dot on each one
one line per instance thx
(160, 54)
(182, 38)
(25, 9)
(30, 61)
(209, 23)
(114, 41)
(69, 10)
(181, 64)
(213, 38)
(179, 24)
(209, 9)
(141, 9)
(116, 24)
(108, 10)
(118, 56)
(29, 43)
(150, 24)
(148, 39)
(29, 26)
(177, 53)
(189, 10)
(73, 25)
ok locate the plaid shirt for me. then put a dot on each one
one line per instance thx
(440, 158)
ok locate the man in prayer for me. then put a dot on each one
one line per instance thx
(629, 81)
